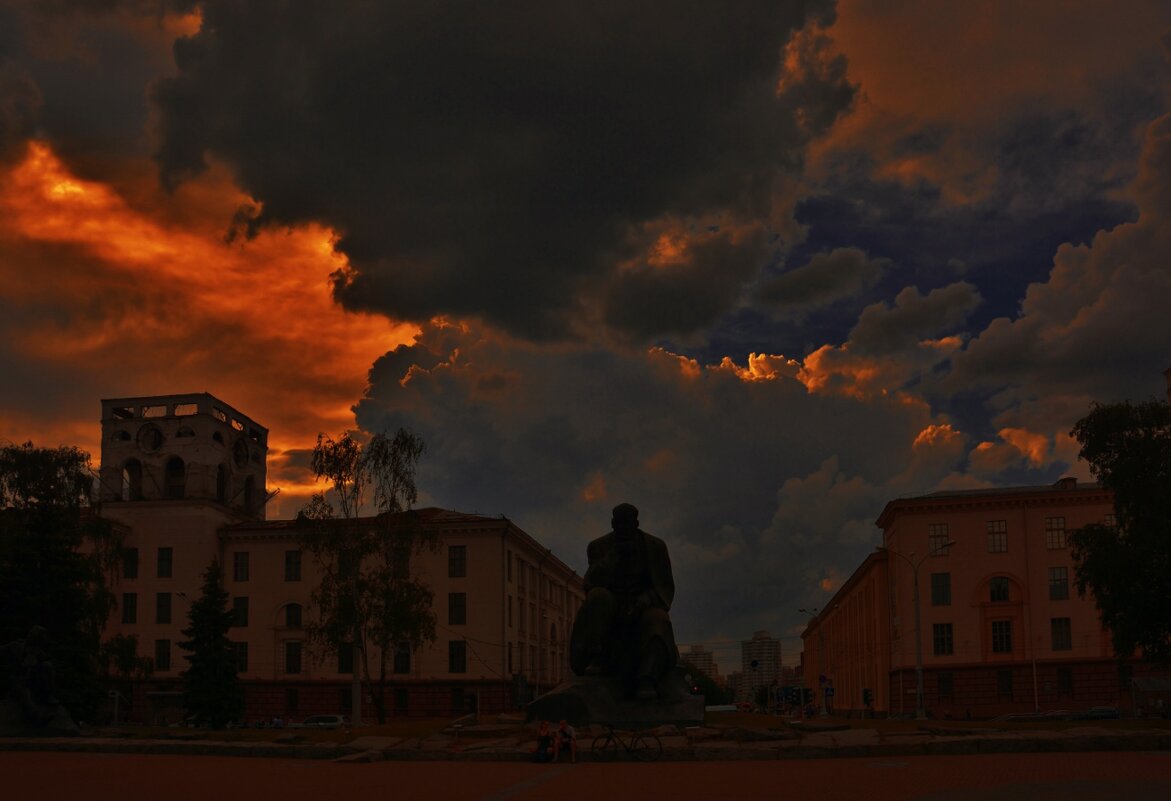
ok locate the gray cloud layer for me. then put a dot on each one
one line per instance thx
(503, 161)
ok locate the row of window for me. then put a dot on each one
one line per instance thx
(939, 538)
(998, 587)
(1060, 636)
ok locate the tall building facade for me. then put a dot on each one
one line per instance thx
(702, 660)
(760, 664)
(183, 477)
(999, 626)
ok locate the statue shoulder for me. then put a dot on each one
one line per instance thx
(599, 546)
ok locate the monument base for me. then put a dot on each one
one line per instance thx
(55, 722)
(605, 699)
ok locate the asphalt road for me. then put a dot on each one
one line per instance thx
(1143, 776)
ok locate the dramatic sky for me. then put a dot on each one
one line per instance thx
(756, 267)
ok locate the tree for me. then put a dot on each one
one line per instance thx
(1127, 564)
(368, 599)
(211, 690)
(56, 558)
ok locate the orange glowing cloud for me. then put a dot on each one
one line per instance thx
(595, 488)
(934, 435)
(131, 303)
(1035, 447)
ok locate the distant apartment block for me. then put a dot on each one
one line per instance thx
(702, 660)
(760, 664)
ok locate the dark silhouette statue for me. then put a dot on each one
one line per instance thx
(623, 629)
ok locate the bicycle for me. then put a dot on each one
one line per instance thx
(642, 746)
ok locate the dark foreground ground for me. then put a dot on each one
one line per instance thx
(1132, 776)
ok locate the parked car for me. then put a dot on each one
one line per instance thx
(323, 722)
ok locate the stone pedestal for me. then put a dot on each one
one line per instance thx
(56, 722)
(605, 699)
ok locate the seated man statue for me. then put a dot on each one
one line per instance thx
(622, 628)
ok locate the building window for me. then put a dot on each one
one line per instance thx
(1002, 636)
(292, 565)
(400, 700)
(293, 657)
(457, 608)
(1054, 533)
(162, 654)
(457, 561)
(240, 611)
(938, 539)
(175, 478)
(129, 607)
(1004, 684)
(509, 563)
(240, 651)
(345, 658)
(293, 616)
(997, 536)
(165, 562)
(520, 576)
(998, 589)
(945, 687)
(162, 607)
(457, 656)
(240, 566)
(402, 657)
(1110, 521)
(130, 563)
(292, 701)
(942, 639)
(1065, 682)
(1058, 584)
(941, 589)
(520, 618)
(1061, 633)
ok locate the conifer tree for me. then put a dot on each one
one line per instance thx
(212, 693)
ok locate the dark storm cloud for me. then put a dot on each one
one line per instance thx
(20, 100)
(75, 75)
(827, 277)
(502, 160)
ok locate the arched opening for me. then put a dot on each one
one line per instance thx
(221, 484)
(250, 494)
(132, 480)
(175, 478)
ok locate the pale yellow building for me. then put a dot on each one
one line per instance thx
(184, 477)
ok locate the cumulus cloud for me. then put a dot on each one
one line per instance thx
(782, 484)
(504, 163)
(1096, 328)
(827, 277)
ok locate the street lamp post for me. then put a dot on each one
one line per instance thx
(920, 711)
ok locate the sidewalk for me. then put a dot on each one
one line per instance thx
(693, 744)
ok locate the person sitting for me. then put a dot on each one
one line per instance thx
(543, 752)
(565, 739)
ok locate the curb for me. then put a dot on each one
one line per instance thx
(413, 752)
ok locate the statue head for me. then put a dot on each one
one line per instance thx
(625, 517)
